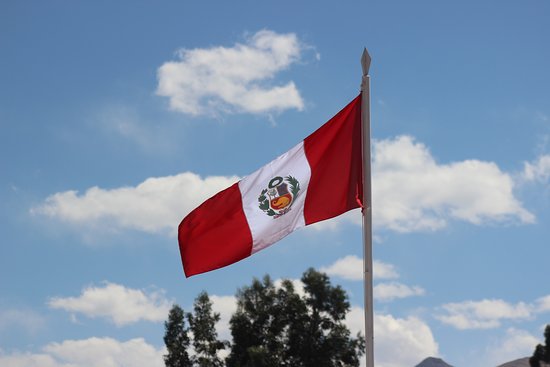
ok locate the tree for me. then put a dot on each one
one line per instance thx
(541, 353)
(538, 355)
(205, 338)
(275, 326)
(326, 341)
(256, 327)
(176, 339)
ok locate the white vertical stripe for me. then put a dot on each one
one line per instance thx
(266, 229)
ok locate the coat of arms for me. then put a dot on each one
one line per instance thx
(276, 200)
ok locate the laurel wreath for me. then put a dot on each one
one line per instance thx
(264, 201)
(294, 185)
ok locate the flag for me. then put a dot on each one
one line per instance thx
(318, 179)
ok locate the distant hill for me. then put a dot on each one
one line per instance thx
(433, 362)
(522, 362)
(438, 362)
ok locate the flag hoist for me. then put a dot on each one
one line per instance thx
(323, 176)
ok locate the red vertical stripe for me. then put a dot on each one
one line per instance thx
(334, 155)
(215, 234)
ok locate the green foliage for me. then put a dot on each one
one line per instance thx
(294, 185)
(537, 357)
(255, 326)
(275, 326)
(325, 340)
(176, 339)
(264, 202)
(541, 353)
(205, 338)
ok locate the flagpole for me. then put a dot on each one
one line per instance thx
(367, 210)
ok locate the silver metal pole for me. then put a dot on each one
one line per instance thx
(367, 209)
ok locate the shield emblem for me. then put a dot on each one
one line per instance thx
(281, 202)
(277, 198)
(279, 195)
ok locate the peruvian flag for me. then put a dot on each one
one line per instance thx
(318, 179)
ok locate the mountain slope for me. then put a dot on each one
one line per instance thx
(522, 362)
(433, 362)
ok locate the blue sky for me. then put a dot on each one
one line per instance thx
(116, 119)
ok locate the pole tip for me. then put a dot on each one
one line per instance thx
(365, 61)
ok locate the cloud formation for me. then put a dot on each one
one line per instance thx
(513, 345)
(351, 268)
(538, 171)
(484, 314)
(542, 304)
(411, 336)
(226, 307)
(116, 303)
(389, 291)
(156, 205)
(412, 192)
(92, 352)
(207, 81)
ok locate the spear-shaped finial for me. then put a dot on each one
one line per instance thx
(365, 62)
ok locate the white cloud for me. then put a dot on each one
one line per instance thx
(351, 267)
(514, 345)
(411, 336)
(30, 360)
(542, 304)
(21, 319)
(332, 225)
(484, 314)
(157, 205)
(233, 79)
(384, 270)
(226, 307)
(92, 352)
(355, 320)
(117, 303)
(539, 170)
(390, 291)
(412, 192)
